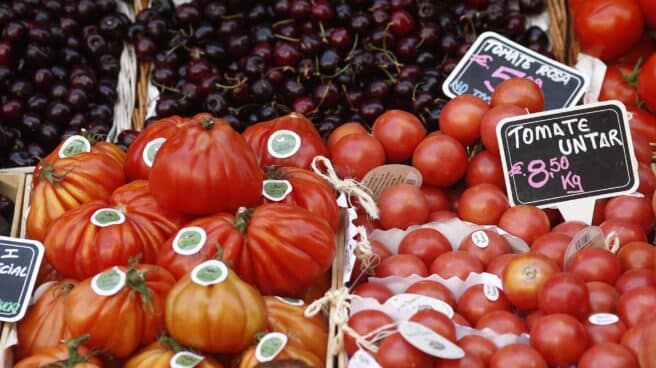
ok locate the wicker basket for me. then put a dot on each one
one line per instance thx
(565, 46)
(141, 105)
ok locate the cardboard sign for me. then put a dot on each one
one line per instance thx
(493, 59)
(568, 158)
(20, 260)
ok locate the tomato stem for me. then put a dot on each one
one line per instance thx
(208, 124)
(136, 280)
(273, 172)
(632, 78)
(242, 218)
(74, 357)
(169, 342)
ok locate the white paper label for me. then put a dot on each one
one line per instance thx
(428, 341)
(270, 346)
(480, 239)
(150, 151)
(283, 143)
(209, 273)
(109, 282)
(491, 292)
(603, 319)
(350, 243)
(409, 304)
(362, 359)
(185, 359)
(189, 240)
(73, 145)
(107, 217)
(291, 301)
(276, 190)
(590, 237)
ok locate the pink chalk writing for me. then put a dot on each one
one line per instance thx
(540, 172)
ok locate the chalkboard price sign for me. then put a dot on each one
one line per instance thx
(494, 58)
(564, 155)
(20, 260)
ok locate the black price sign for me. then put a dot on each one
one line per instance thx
(20, 260)
(569, 154)
(493, 59)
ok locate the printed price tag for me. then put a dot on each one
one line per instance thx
(382, 177)
(559, 158)
(20, 260)
(493, 59)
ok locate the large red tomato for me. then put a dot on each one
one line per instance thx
(302, 188)
(69, 183)
(441, 159)
(69, 354)
(526, 222)
(206, 167)
(616, 85)
(402, 205)
(43, 325)
(502, 322)
(608, 28)
(120, 308)
(356, 154)
(161, 354)
(524, 276)
(479, 300)
(482, 204)
(461, 118)
(520, 92)
(285, 249)
(486, 245)
(566, 293)
(518, 356)
(637, 305)
(648, 77)
(223, 311)
(395, 352)
(425, 243)
(560, 338)
(289, 140)
(490, 121)
(101, 234)
(608, 355)
(485, 168)
(364, 322)
(399, 132)
(142, 151)
(631, 208)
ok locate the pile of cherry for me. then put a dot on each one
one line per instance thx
(593, 309)
(332, 61)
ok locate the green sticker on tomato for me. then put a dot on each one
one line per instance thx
(107, 217)
(151, 149)
(276, 190)
(189, 240)
(73, 145)
(270, 346)
(209, 273)
(109, 282)
(185, 359)
(283, 143)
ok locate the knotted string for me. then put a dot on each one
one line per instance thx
(350, 187)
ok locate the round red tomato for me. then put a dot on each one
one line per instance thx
(649, 10)
(608, 28)
(356, 154)
(402, 265)
(566, 293)
(290, 140)
(502, 322)
(444, 215)
(636, 306)
(479, 300)
(643, 122)
(479, 346)
(436, 321)
(380, 252)
(498, 264)
(490, 121)
(640, 52)
(482, 204)
(595, 264)
(377, 291)
(608, 355)
(647, 180)
(432, 289)
(485, 167)
(560, 338)
(520, 92)
(426, 244)
(402, 205)
(456, 264)
(526, 222)
(517, 356)
(364, 322)
(648, 78)
(616, 85)
(436, 198)
(486, 245)
(394, 351)
(631, 208)
(211, 160)
(399, 132)
(553, 246)
(523, 277)
(625, 230)
(604, 327)
(461, 118)
(637, 254)
(636, 278)
(569, 228)
(634, 337)
(641, 147)
(603, 297)
(441, 160)
(341, 132)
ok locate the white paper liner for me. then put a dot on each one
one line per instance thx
(595, 70)
(457, 286)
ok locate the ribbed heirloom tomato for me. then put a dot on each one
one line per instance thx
(164, 353)
(101, 234)
(210, 160)
(120, 308)
(288, 351)
(69, 183)
(69, 354)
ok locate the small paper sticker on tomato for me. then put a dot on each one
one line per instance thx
(382, 177)
(270, 346)
(291, 301)
(189, 240)
(428, 341)
(590, 237)
(491, 292)
(185, 359)
(362, 359)
(150, 151)
(276, 190)
(210, 272)
(283, 144)
(603, 319)
(73, 145)
(109, 282)
(107, 217)
(480, 239)
(409, 304)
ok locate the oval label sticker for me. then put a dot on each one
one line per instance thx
(276, 190)
(209, 273)
(270, 346)
(409, 304)
(603, 319)
(185, 359)
(189, 240)
(378, 179)
(480, 239)
(107, 217)
(73, 145)
(491, 292)
(291, 301)
(283, 143)
(428, 341)
(109, 282)
(150, 151)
